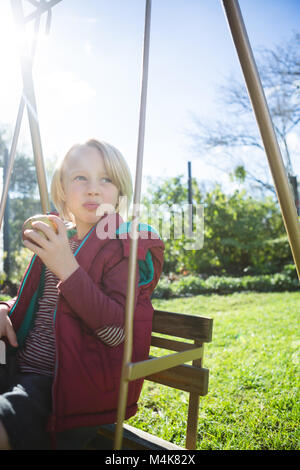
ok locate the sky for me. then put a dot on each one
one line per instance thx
(87, 74)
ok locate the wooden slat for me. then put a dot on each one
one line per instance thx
(136, 370)
(184, 377)
(183, 326)
(137, 439)
(170, 344)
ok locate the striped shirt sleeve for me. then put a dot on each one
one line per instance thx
(110, 335)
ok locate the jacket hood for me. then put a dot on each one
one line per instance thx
(150, 252)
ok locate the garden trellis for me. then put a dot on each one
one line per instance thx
(132, 371)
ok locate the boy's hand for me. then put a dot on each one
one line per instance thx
(6, 328)
(55, 252)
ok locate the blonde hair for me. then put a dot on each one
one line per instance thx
(116, 167)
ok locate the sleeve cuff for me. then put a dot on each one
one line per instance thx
(69, 282)
(5, 303)
(8, 303)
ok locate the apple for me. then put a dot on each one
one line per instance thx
(38, 218)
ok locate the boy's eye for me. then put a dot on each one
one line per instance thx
(102, 180)
(79, 177)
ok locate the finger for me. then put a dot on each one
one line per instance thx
(32, 246)
(59, 223)
(44, 228)
(11, 336)
(35, 238)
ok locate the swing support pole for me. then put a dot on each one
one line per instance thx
(30, 101)
(129, 310)
(264, 121)
(17, 128)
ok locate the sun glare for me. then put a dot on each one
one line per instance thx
(15, 40)
(59, 90)
(7, 33)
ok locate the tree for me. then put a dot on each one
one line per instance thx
(162, 203)
(235, 140)
(241, 234)
(23, 202)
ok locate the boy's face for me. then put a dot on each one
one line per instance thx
(87, 186)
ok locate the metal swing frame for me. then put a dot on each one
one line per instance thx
(28, 99)
(132, 371)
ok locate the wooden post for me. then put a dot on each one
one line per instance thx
(193, 411)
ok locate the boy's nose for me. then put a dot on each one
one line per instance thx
(93, 189)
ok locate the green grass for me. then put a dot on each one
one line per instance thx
(253, 398)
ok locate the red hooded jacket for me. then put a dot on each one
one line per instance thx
(87, 372)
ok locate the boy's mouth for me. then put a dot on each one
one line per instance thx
(91, 206)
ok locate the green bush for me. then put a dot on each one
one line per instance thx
(242, 235)
(21, 258)
(194, 285)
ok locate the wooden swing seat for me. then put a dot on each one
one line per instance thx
(192, 331)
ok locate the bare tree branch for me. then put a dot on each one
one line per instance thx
(280, 74)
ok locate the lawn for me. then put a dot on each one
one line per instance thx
(253, 398)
